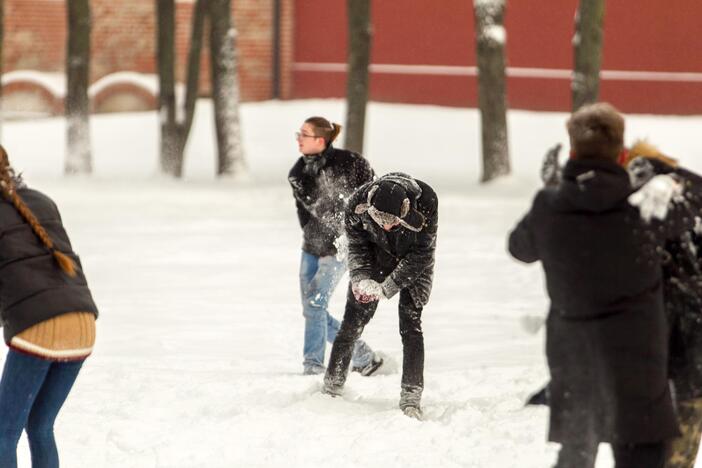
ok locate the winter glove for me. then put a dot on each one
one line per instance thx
(653, 198)
(550, 169)
(361, 297)
(367, 290)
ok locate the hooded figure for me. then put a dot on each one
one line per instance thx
(682, 291)
(391, 226)
(606, 335)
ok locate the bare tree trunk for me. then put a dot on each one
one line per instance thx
(175, 126)
(587, 47)
(193, 75)
(225, 89)
(78, 157)
(492, 99)
(360, 36)
(171, 164)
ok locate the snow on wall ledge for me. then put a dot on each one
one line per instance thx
(32, 93)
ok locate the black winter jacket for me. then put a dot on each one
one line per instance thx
(683, 302)
(33, 288)
(321, 186)
(682, 291)
(607, 343)
(399, 259)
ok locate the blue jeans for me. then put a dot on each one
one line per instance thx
(32, 391)
(318, 278)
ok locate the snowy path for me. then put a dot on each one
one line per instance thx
(198, 357)
(197, 362)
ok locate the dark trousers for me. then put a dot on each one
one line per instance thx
(625, 455)
(356, 317)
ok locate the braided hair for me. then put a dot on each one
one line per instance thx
(9, 191)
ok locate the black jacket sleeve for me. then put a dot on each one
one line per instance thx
(521, 243)
(363, 171)
(360, 255)
(300, 193)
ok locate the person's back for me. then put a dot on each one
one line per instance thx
(606, 336)
(48, 316)
(590, 237)
(30, 277)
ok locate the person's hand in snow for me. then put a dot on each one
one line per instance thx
(367, 290)
(654, 197)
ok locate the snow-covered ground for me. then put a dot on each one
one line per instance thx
(198, 359)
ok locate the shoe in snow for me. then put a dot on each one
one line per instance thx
(538, 398)
(370, 368)
(314, 370)
(413, 412)
(410, 397)
(332, 390)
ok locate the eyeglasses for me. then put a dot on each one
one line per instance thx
(299, 135)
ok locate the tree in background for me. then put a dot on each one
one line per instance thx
(360, 36)
(225, 89)
(492, 99)
(587, 47)
(176, 123)
(175, 126)
(77, 104)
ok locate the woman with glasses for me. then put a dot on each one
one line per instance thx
(322, 180)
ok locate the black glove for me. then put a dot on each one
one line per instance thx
(550, 169)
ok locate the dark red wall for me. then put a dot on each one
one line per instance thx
(640, 36)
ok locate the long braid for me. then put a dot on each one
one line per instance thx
(7, 185)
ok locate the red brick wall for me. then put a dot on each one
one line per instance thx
(124, 39)
(34, 35)
(287, 47)
(254, 42)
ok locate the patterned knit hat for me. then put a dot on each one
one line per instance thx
(389, 203)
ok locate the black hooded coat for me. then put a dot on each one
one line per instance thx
(682, 291)
(607, 338)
